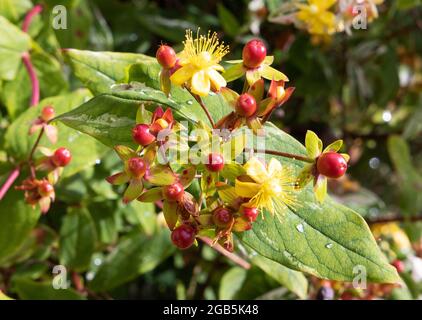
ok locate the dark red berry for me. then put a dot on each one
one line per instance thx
(246, 105)
(250, 213)
(215, 162)
(222, 217)
(254, 53)
(45, 189)
(47, 113)
(137, 167)
(166, 56)
(183, 236)
(61, 157)
(399, 265)
(173, 192)
(331, 165)
(142, 135)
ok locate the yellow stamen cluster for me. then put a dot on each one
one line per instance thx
(204, 50)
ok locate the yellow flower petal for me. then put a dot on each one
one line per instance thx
(246, 189)
(256, 170)
(217, 80)
(200, 83)
(183, 74)
(274, 166)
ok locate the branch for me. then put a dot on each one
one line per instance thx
(285, 155)
(29, 16)
(394, 219)
(35, 96)
(9, 181)
(233, 257)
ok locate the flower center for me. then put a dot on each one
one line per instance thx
(313, 8)
(272, 187)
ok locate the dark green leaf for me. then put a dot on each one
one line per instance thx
(77, 239)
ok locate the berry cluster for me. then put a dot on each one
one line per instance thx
(41, 191)
(231, 195)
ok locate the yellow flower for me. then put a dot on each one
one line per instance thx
(200, 60)
(316, 16)
(268, 187)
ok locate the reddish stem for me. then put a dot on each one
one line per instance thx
(230, 255)
(29, 16)
(35, 97)
(10, 180)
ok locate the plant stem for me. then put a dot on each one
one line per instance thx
(285, 155)
(31, 154)
(204, 107)
(230, 255)
(394, 219)
(29, 16)
(9, 181)
(35, 97)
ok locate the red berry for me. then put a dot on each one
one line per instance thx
(137, 167)
(246, 105)
(222, 217)
(45, 189)
(142, 135)
(173, 192)
(166, 56)
(183, 236)
(61, 157)
(47, 113)
(399, 265)
(250, 213)
(254, 53)
(331, 165)
(215, 162)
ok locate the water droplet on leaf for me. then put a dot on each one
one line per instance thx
(299, 227)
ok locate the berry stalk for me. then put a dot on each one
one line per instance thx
(204, 107)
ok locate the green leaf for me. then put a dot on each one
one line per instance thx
(28, 289)
(16, 93)
(142, 214)
(85, 151)
(228, 20)
(13, 10)
(77, 239)
(231, 283)
(134, 255)
(13, 42)
(327, 240)
(147, 72)
(410, 179)
(16, 222)
(291, 279)
(79, 22)
(107, 118)
(98, 71)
